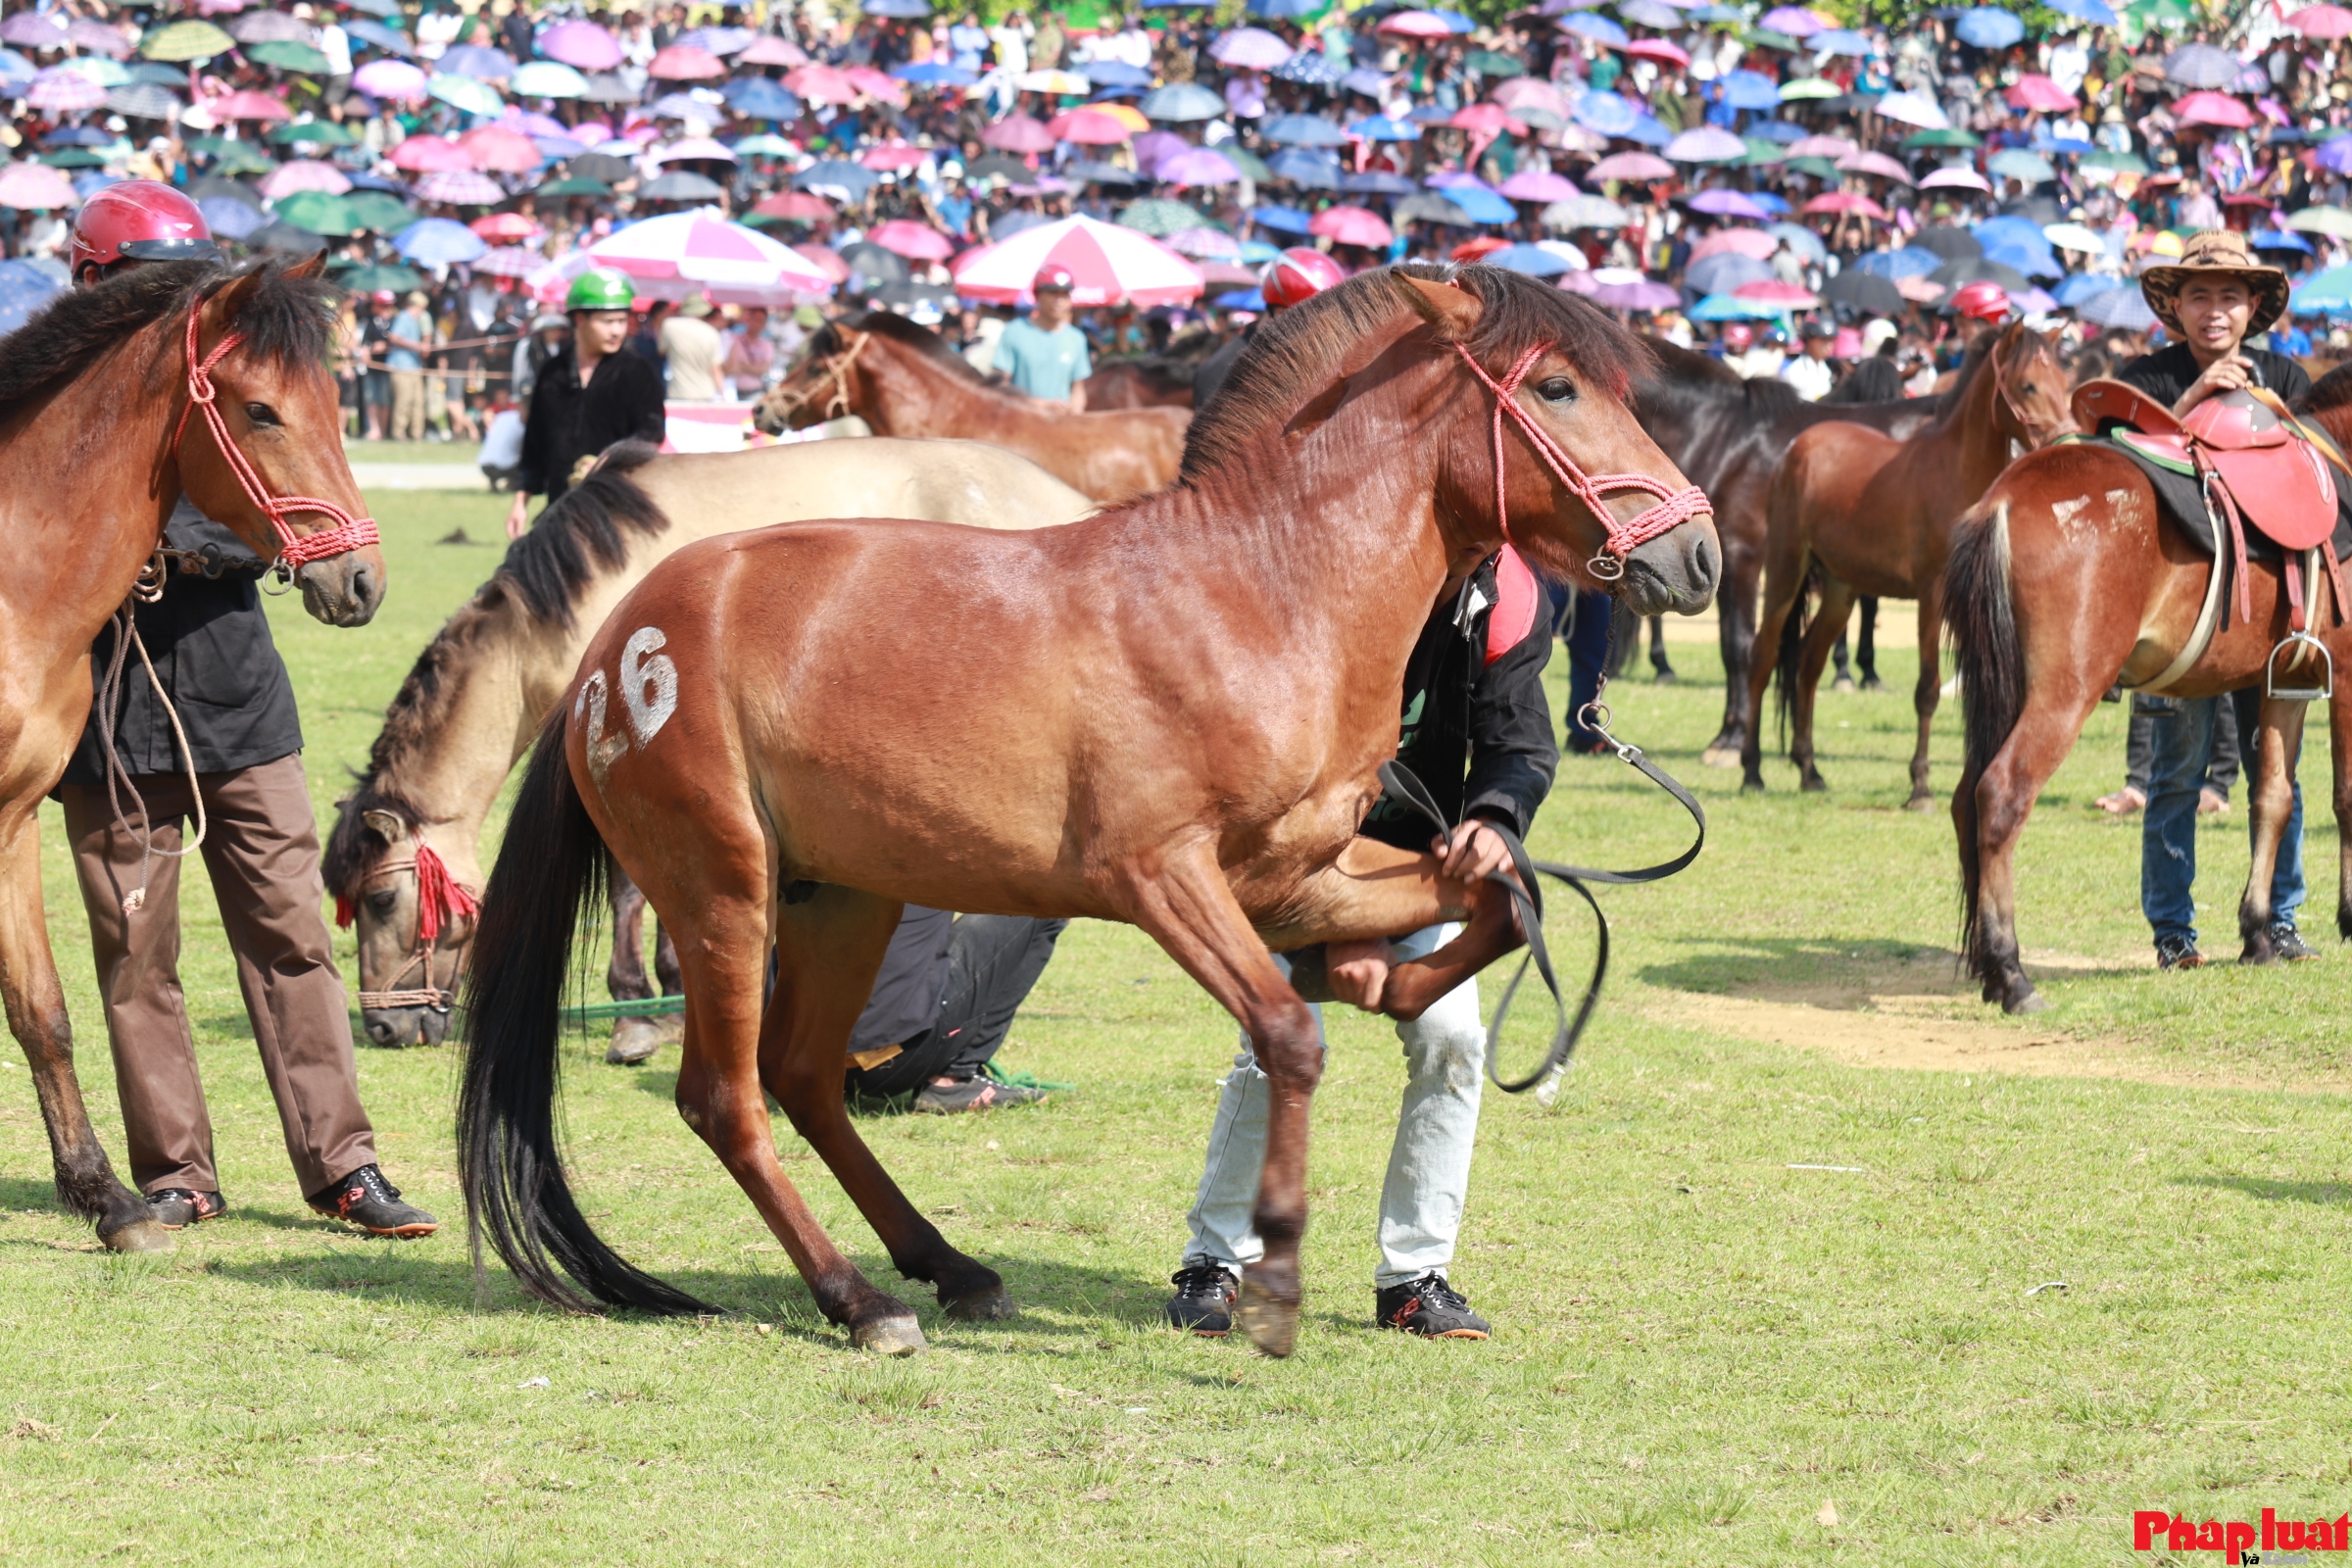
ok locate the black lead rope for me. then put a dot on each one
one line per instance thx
(1527, 897)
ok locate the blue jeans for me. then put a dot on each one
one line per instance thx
(2182, 736)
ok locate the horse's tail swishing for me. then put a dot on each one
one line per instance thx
(1990, 664)
(549, 874)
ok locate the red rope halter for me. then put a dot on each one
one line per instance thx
(1674, 509)
(295, 550)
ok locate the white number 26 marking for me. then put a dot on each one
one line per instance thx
(649, 691)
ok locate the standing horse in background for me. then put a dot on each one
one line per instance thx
(1729, 434)
(405, 854)
(1856, 511)
(902, 379)
(178, 377)
(2069, 577)
(1171, 713)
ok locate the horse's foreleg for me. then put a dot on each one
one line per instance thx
(1925, 692)
(1866, 645)
(1735, 633)
(2339, 752)
(1658, 663)
(828, 951)
(36, 1014)
(2274, 742)
(1186, 905)
(1783, 591)
(1837, 603)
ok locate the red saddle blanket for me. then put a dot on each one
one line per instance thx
(2279, 481)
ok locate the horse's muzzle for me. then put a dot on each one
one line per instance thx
(395, 1027)
(343, 590)
(1675, 571)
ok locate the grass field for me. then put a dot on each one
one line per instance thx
(1755, 1305)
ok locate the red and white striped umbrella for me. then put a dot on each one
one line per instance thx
(1109, 264)
(681, 253)
(511, 261)
(63, 90)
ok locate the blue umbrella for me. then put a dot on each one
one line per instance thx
(1292, 131)
(1716, 14)
(1430, 114)
(1241, 299)
(391, 40)
(1724, 308)
(1314, 68)
(2331, 290)
(1780, 130)
(1912, 261)
(2034, 263)
(2124, 308)
(1604, 112)
(1091, 173)
(1455, 20)
(90, 182)
(229, 218)
(1839, 41)
(856, 179)
(2093, 12)
(1166, 4)
(1182, 100)
(896, 8)
(24, 288)
(762, 98)
(2015, 163)
(14, 67)
(1308, 166)
(1106, 95)
(1752, 89)
(1363, 79)
(1600, 29)
(2084, 285)
(555, 149)
(1533, 259)
(1377, 182)
(438, 241)
(1256, 253)
(1650, 130)
(77, 137)
(1650, 13)
(1286, 8)
(1380, 128)
(1106, 74)
(1768, 201)
(2279, 239)
(1281, 219)
(472, 60)
(2072, 146)
(361, 180)
(2011, 230)
(1483, 206)
(1013, 223)
(1990, 27)
(929, 74)
(1723, 272)
(1796, 237)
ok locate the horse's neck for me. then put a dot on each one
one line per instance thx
(913, 396)
(1970, 438)
(451, 769)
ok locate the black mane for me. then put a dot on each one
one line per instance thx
(827, 340)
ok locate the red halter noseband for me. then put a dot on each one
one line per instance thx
(295, 550)
(1674, 509)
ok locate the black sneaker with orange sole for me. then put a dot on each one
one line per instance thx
(1203, 1300)
(178, 1207)
(1430, 1308)
(364, 1198)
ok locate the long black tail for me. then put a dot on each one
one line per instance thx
(1788, 658)
(549, 874)
(1981, 615)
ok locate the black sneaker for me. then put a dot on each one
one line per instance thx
(366, 1200)
(178, 1207)
(2287, 943)
(2179, 953)
(1203, 1299)
(1430, 1308)
(974, 1094)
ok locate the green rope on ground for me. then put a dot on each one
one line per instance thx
(1021, 1080)
(588, 1012)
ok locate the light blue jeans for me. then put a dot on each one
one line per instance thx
(1429, 1165)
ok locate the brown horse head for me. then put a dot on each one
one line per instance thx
(824, 385)
(1567, 368)
(2032, 387)
(279, 404)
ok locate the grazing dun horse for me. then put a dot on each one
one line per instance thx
(403, 859)
(902, 379)
(177, 377)
(1169, 714)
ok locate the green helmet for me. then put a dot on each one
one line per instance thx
(604, 288)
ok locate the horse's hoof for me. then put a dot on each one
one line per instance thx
(1271, 1323)
(1815, 784)
(1719, 756)
(889, 1336)
(2027, 1001)
(139, 1236)
(634, 1040)
(1752, 785)
(1921, 801)
(988, 1305)
(1667, 677)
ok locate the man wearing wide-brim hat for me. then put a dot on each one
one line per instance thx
(2210, 301)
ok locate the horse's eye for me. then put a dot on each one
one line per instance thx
(381, 901)
(260, 414)
(1557, 389)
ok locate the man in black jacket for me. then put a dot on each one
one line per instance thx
(1477, 731)
(589, 396)
(211, 653)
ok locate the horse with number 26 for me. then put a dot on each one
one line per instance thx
(1171, 713)
(178, 377)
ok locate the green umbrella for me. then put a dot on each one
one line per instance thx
(1809, 87)
(241, 158)
(75, 157)
(367, 280)
(574, 187)
(2322, 221)
(2121, 162)
(1487, 63)
(317, 132)
(186, 40)
(2161, 13)
(318, 213)
(1819, 167)
(1249, 162)
(287, 55)
(1761, 151)
(1766, 38)
(1158, 215)
(377, 210)
(1954, 137)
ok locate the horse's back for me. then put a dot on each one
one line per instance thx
(969, 483)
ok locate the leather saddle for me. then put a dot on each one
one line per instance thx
(2251, 453)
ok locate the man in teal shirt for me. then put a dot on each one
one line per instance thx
(1045, 356)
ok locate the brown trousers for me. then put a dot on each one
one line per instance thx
(262, 850)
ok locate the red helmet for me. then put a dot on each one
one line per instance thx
(1298, 276)
(1053, 276)
(138, 220)
(1986, 301)
(1739, 335)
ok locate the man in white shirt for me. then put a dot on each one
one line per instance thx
(1811, 372)
(330, 40)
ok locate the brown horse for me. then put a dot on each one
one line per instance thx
(1857, 512)
(1169, 714)
(901, 379)
(98, 438)
(2066, 578)
(1147, 382)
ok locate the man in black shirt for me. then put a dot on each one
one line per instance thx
(2217, 297)
(587, 396)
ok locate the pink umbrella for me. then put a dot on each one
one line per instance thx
(2321, 21)
(682, 253)
(1739, 241)
(1728, 204)
(496, 147)
(98, 39)
(1580, 281)
(1845, 201)
(1918, 288)
(2040, 92)
(1198, 166)
(1350, 225)
(1110, 264)
(461, 187)
(1490, 119)
(909, 238)
(1537, 185)
(1797, 22)
(892, 157)
(822, 84)
(1521, 91)
(1154, 145)
(770, 50)
(423, 154)
(63, 90)
(248, 105)
(1417, 24)
(1642, 296)
(1018, 133)
(825, 260)
(683, 62)
(1708, 144)
(1227, 275)
(510, 262)
(695, 149)
(1772, 291)
(1830, 147)
(1875, 164)
(1664, 53)
(1631, 166)
(505, 226)
(33, 29)
(392, 81)
(1088, 128)
(801, 204)
(1251, 49)
(304, 173)
(876, 83)
(29, 186)
(2213, 109)
(1956, 177)
(1204, 245)
(582, 44)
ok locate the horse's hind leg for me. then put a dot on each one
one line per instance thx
(36, 1014)
(1837, 603)
(2340, 750)
(1925, 692)
(1659, 666)
(2045, 731)
(828, 951)
(2269, 762)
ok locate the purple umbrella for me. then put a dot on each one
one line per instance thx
(1250, 49)
(1198, 166)
(1154, 145)
(1728, 204)
(481, 63)
(1641, 296)
(581, 44)
(96, 37)
(64, 89)
(1794, 20)
(1537, 185)
(1631, 166)
(1709, 144)
(34, 31)
(395, 81)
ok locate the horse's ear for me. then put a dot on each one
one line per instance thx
(1452, 312)
(310, 265)
(228, 302)
(387, 824)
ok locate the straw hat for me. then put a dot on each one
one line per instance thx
(2216, 250)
